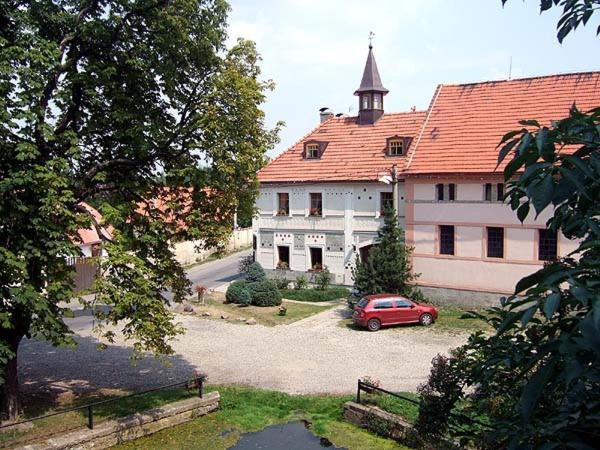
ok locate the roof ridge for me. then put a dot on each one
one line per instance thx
(535, 77)
(423, 126)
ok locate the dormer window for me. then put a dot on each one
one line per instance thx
(397, 146)
(314, 149)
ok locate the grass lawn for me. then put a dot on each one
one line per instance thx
(315, 295)
(242, 410)
(264, 315)
(449, 321)
(246, 410)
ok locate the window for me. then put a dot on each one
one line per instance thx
(316, 258)
(312, 151)
(284, 257)
(316, 204)
(283, 204)
(488, 192)
(447, 239)
(396, 147)
(500, 192)
(493, 193)
(386, 201)
(365, 101)
(445, 192)
(547, 250)
(439, 192)
(383, 304)
(401, 303)
(377, 101)
(495, 242)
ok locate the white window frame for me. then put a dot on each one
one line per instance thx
(378, 201)
(307, 202)
(276, 202)
(310, 148)
(401, 145)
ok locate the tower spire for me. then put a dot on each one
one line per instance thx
(371, 91)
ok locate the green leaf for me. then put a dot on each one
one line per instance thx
(528, 315)
(551, 304)
(523, 211)
(540, 139)
(529, 123)
(534, 388)
(504, 151)
(529, 280)
(541, 193)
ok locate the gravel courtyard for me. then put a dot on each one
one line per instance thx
(314, 355)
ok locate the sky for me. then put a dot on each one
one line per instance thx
(315, 50)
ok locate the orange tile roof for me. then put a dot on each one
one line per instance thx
(353, 153)
(465, 122)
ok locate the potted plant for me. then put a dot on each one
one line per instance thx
(315, 212)
(282, 212)
(282, 265)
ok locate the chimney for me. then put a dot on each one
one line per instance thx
(325, 114)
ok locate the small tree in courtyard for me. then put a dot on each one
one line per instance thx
(388, 268)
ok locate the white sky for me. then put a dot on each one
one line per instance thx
(315, 50)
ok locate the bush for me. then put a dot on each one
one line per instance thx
(315, 295)
(245, 263)
(301, 282)
(238, 293)
(264, 293)
(281, 283)
(255, 273)
(323, 279)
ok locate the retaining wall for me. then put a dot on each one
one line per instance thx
(112, 432)
(185, 252)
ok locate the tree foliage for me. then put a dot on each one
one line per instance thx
(536, 381)
(388, 268)
(117, 103)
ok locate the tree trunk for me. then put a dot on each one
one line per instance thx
(11, 400)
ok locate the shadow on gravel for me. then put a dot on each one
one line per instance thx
(52, 377)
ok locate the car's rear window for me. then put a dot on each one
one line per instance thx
(362, 302)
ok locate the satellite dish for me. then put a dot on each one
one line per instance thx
(385, 179)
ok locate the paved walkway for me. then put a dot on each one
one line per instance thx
(314, 355)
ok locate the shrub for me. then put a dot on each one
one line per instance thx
(238, 293)
(255, 273)
(264, 293)
(245, 263)
(323, 279)
(301, 282)
(281, 283)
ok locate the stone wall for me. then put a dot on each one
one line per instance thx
(461, 297)
(112, 432)
(186, 253)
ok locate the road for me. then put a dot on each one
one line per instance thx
(215, 273)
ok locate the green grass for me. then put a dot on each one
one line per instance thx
(264, 315)
(245, 410)
(315, 295)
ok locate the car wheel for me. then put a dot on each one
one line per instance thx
(374, 324)
(426, 319)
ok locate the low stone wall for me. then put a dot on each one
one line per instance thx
(185, 252)
(381, 422)
(113, 432)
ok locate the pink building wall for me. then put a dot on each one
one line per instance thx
(469, 268)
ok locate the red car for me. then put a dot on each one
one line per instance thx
(373, 311)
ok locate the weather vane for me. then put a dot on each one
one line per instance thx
(371, 36)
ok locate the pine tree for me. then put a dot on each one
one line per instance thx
(388, 268)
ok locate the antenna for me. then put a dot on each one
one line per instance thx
(510, 68)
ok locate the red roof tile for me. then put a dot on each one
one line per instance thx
(353, 153)
(465, 122)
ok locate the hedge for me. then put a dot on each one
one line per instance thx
(238, 293)
(264, 293)
(315, 295)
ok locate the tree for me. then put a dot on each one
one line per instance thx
(117, 103)
(536, 381)
(388, 268)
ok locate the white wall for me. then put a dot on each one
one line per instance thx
(186, 253)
